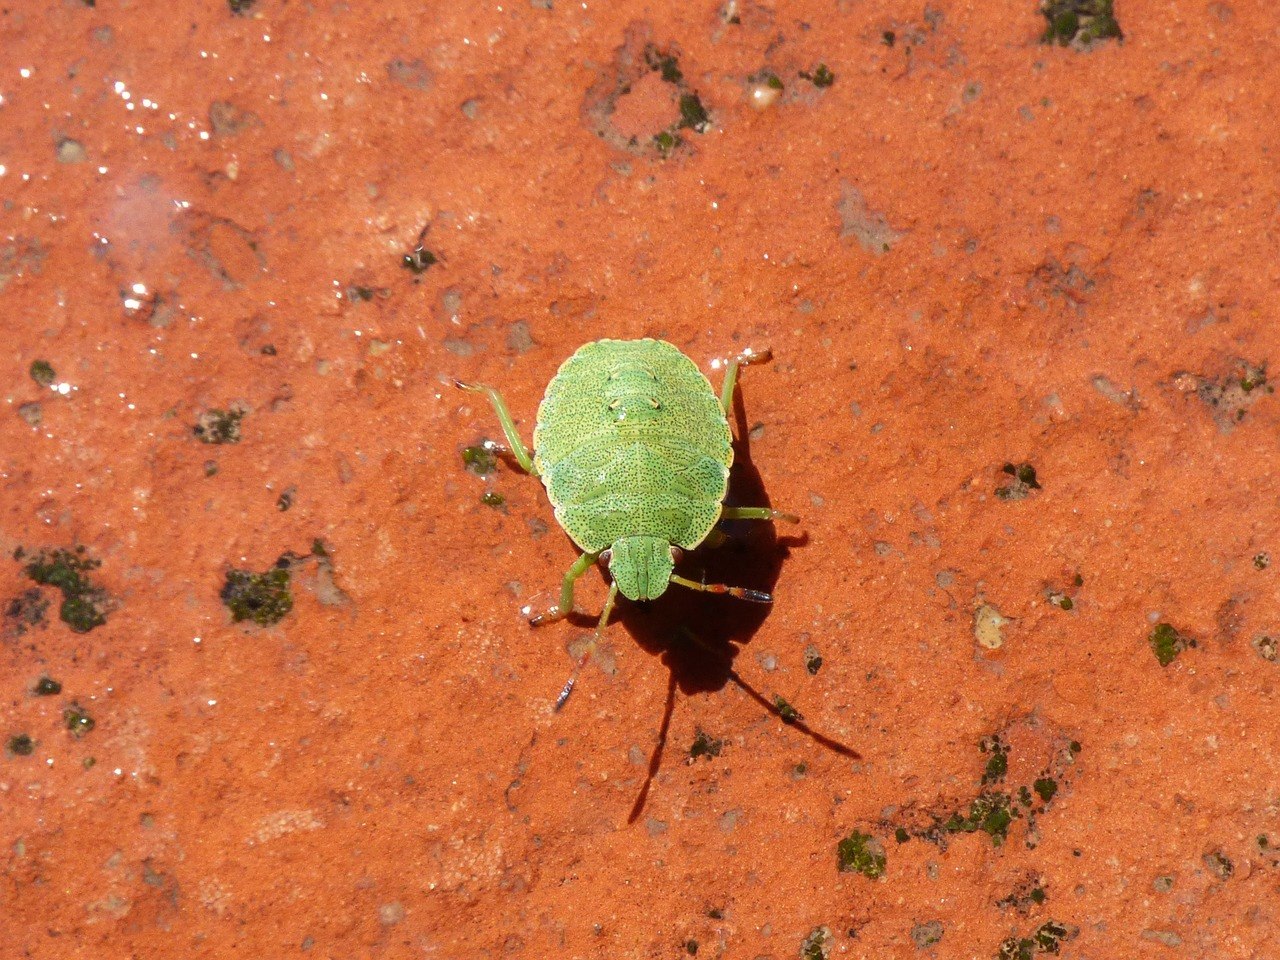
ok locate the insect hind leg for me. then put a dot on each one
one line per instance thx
(742, 593)
(757, 513)
(518, 449)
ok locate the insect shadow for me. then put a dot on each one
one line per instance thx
(699, 636)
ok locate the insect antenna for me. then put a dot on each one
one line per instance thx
(590, 650)
(742, 593)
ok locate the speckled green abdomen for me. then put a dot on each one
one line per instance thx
(630, 441)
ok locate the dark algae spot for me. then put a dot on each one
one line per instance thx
(693, 115)
(1026, 895)
(1166, 643)
(1219, 864)
(665, 142)
(419, 259)
(861, 853)
(1046, 787)
(665, 63)
(990, 812)
(84, 605)
(46, 687)
(925, 935)
(997, 804)
(1228, 396)
(786, 712)
(479, 459)
(1079, 23)
(768, 78)
(1267, 648)
(1261, 561)
(812, 661)
(240, 7)
(263, 598)
(705, 746)
(359, 293)
(492, 498)
(25, 611)
(817, 945)
(1024, 481)
(821, 77)
(21, 745)
(219, 426)
(1063, 597)
(1047, 938)
(76, 719)
(997, 763)
(42, 372)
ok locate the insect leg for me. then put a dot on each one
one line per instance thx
(757, 513)
(742, 593)
(592, 644)
(517, 446)
(565, 606)
(744, 359)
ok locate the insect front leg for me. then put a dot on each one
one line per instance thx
(518, 449)
(744, 359)
(565, 606)
(757, 513)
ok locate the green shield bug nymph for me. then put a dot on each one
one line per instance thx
(634, 448)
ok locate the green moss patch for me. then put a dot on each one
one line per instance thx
(84, 604)
(821, 77)
(1079, 23)
(42, 372)
(1024, 481)
(786, 712)
(77, 720)
(817, 945)
(219, 426)
(1047, 938)
(1167, 643)
(705, 746)
(263, 598)
(479, 459)
(861, 853)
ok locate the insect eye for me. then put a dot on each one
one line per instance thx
(605, 557)
(676, 553)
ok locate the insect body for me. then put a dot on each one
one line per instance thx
(634, 448)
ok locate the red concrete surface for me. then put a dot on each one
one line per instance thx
(969, 250)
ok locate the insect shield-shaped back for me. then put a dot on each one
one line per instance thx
(632, 441)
